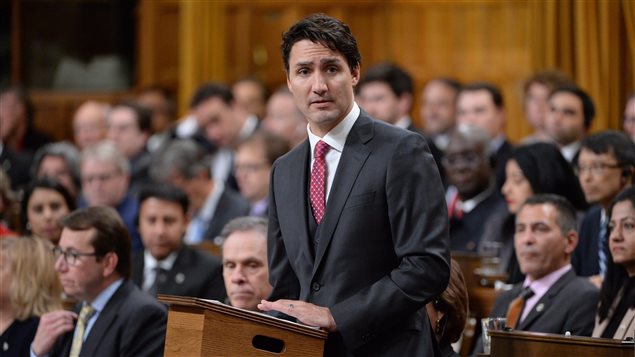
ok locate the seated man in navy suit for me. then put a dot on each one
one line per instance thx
(116, 318)
(168, 265)
(552, 299)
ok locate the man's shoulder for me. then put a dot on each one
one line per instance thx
(198, 259)
(135, 300)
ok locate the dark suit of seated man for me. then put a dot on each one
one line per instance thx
(114, 317)
(552, 299)
(167, 265)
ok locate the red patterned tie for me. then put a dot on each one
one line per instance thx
(318, 181)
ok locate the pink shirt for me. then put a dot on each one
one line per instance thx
(540, 287)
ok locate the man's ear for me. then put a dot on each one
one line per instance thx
(571, 241)
(110, 261)
(355, 73)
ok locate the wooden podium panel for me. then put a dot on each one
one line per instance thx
(199, 327)
(530, 344)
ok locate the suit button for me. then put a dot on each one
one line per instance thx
(315, 286)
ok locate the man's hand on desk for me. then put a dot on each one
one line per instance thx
(305, 312)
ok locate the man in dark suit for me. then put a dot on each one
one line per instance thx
(167, 265)
(212, 203)
(114, 318)
(554, 299)
(385, 92)
(472, 197)
(481, 104)
(359, 248)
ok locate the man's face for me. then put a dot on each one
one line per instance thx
(245, 269)
(284, 119)
(55, 167)
(380, 101)
(162, 225)
(219, 122)
(466, 168)
(103, 183)
(565, 121)
(600, 176)
(541, 248)
(322, 84)
(629, 119)
(82, 281)
(124, 131)
(250, 97)
(437, 107)
(252, 171)
(477, 108)
(537, 105)
(89, 125)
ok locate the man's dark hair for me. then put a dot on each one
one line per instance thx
(143, 115)
(111, 234)
(212, 90)
(566, 217)
(494, 91)
(400, 81)
(588, 109)
(164, 192)
(23, 98)
(551, 78)
(615, 143)
(326, 31)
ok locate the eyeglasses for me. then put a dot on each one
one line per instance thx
(100, 178)
(71, 257)
(595, 168)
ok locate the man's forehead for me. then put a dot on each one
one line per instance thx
(71, 238)
(542, 212)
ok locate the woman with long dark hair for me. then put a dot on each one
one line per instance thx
(616, 312)
(531, 169)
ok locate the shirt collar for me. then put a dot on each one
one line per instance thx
(404, 122)
(102, 299)
(496, 143)
(569, 151)
(150, 262)
(248, 127)
(540, 286)
(336, 137)
(469, 205)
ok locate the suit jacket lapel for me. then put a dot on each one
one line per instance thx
(544, 303)
(351, 162)
(106, 318)
(298, 195)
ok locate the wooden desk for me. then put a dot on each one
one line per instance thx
(531, 344)
(198, 327)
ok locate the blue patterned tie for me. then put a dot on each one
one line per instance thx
(601, 244)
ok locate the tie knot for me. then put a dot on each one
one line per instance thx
(86, 312)
(321, 148)
(527, 293)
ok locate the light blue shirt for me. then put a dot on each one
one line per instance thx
(98, 304)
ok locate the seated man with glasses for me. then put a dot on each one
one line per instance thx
(605, 167)
(114, 318)
(472, 197)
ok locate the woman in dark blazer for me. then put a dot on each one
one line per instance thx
(616, 312)
(531, 169)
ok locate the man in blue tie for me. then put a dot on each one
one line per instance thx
(113, 318)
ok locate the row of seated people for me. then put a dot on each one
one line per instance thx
(92, 260)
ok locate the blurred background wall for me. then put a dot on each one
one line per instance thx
(66, 51)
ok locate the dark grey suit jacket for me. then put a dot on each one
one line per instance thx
(383, 242)
(131, 324)
(194, 273)
(569, 305)
(230, 205)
